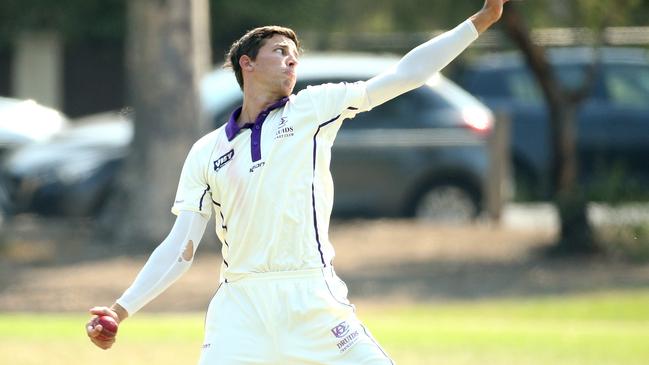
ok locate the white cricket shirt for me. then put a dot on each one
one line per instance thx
(270, 184)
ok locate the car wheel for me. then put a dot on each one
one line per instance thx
(446, 204)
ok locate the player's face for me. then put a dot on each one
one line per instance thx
(276, 65)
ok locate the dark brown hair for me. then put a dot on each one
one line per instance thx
(250, 44)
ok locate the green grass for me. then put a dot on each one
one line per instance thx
(595, 329)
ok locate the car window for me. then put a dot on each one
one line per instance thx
(520, 85)
(523, 87)
(627, 85)
(486, 83)
(517, 84)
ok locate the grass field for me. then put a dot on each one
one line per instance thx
(594, 329)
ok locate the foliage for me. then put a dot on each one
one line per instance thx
(614, 183)
(330, 16)
(73, 19)
(585, 13)
(599, 13)
(77, 19)
(626, 241)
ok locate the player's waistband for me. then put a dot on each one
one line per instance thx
(280, 275)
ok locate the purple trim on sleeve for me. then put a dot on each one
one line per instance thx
(232, 129)
(223, 225)
(315, 218)
(200, 204)
(222, 217)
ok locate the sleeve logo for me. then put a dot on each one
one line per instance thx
(221, 161)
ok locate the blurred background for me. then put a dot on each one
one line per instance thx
(499, 212)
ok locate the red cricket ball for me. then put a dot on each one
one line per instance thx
(109, 327)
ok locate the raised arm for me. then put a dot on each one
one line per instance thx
(168, 262)
(424, 61)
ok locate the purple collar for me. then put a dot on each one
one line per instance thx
(232, 129)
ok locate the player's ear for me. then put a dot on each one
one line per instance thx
(246, 63)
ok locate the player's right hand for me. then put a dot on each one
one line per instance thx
(94, 331)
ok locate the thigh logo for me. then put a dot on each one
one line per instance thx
(347, 337)
(341, 330)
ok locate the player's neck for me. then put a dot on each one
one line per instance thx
(255, 102)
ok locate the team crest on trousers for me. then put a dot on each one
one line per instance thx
(341, 330)
(347, 337)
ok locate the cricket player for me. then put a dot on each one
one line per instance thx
(265, 175)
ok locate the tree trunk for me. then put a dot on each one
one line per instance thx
(167, 53)
(576, 233)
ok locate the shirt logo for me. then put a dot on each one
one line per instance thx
(256, 166)
(221, 161)
(283, 130)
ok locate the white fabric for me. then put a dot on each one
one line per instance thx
(288, 318)
(166, 264)
(265, 209)
(420, 64)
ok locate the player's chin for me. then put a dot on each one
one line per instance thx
(287, 89)
(288, 86)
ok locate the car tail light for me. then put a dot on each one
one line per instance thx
(478, 120)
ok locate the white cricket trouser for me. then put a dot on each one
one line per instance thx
(286, 318)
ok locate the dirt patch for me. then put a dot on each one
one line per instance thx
(54, 266)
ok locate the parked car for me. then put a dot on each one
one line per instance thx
(72, 173)
(25, 121)
(421, 154)
(612, 123)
